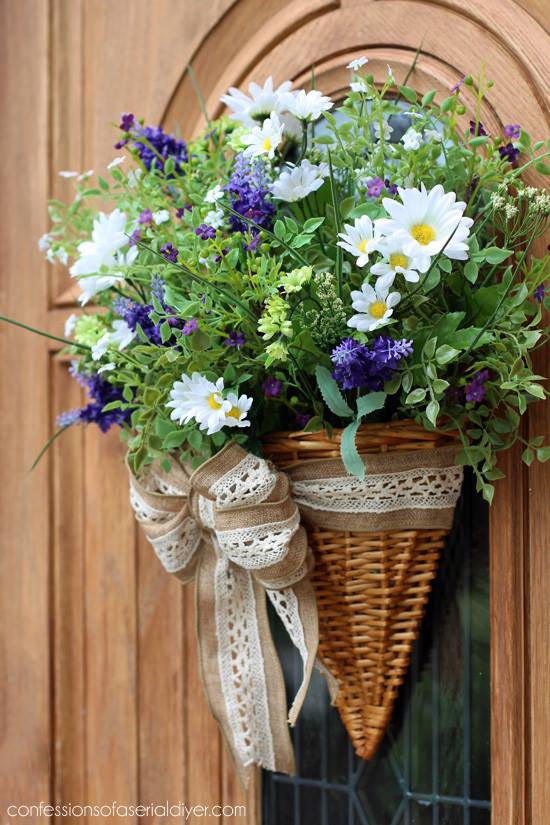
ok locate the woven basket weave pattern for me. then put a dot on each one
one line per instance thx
(371, 587)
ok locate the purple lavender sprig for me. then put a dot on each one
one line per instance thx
(356, 365)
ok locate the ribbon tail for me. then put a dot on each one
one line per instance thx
(241, 674)
(297, 608)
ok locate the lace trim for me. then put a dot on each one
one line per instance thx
(249, 482)
(425, 488)
(242, 666)
(176, 548)
(256, 547)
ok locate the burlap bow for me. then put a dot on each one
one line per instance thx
(233, 527)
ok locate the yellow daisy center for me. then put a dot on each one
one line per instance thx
(398, 259)
(266, 145)
(362, 245)
(378, 309)
(234, 412)
(423, 233)
(213, 402)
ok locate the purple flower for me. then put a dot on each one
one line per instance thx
(101, 393)
(154, 147)
(146, 216)
(127, 120)
(235, 339)
(302, 419)
(355, 365)
(475, 390)
(190, 326)
(513, 130)
(138, 314)
(457, 85)
(170, 252)
(272, 387)
(248, 190)
(375, 187)
(134, 238)
(205, 232)
(539, 293)
(67, 419)
(181, 210)
(509, 152)
(477, 129)
(391, 188)
(157, 287)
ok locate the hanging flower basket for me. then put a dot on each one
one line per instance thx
(372, 584)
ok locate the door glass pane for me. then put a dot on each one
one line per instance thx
(433, 767)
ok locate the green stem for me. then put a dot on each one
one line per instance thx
(47, 446)
(44, 334)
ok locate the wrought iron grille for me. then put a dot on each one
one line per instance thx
(433, 767)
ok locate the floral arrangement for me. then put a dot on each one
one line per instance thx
(303, 265)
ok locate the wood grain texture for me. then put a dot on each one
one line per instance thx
(25, 701)
(101, 696)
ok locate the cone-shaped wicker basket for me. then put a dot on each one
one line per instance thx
(371, 587)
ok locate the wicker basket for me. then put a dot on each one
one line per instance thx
(371, 587)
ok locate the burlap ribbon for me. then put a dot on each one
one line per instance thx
(233, 527)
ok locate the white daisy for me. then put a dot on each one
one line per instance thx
(298, 182)
(386, 129)
(236, 416)
(70, 324)
(107, 367)
(100, 347)
(433, 221)
(432, 135)
(116, 162)
(356, 64)
(121, 335)
(308, 106)
(264, 139)
(360, 85)
(374, 305)
(214, 195)
(397, 260)
(108, 236)
(161, 216)
(262, 101)
(44, 242)
(197, 397)
(133, 177)
(360, 239)
(412, 140)
(214, 218)
(292, 126)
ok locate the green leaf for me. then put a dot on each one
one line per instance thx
(479, 141)
(440, 385)
(445, 264)
(495, 255)
(445, 353)
(348, 450)
(325, 140)
(174, 439)
(542, 167)
(470, 271)
(312, 224)
(279, 230)
(194, 437)
(366, 404)
(432, 411)
(536, 390)
(292, 225)
(543, 454)
(330, 391)
(428, 97)
(347, 205)
(103, 183)
(447, 104)
(528, 456)
(408, 93)
(416, 396)
(429, 347)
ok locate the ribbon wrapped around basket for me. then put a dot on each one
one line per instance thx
(376, 544)
(233, 528)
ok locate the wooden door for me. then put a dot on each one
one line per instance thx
(100, 696)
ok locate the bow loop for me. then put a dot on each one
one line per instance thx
(236, 510)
